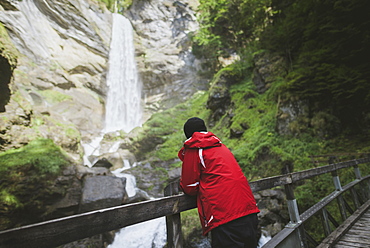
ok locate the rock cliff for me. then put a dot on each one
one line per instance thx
(55, 88)
(54, 58)
(169, 70)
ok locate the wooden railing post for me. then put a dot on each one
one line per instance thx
(173, 222)
(299, 240)
(292, 204)
(338, 187)
(291, 201)
(357, 172)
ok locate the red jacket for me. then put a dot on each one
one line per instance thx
(210, 171)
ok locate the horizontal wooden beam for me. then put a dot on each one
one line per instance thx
(65, 230)
(271, 182)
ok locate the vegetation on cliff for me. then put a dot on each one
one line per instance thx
(27, 180)
(314, 100)
(323, 77)
(324, 43)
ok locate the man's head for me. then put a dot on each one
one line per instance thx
(192, 125)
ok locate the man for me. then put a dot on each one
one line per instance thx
(226, 205)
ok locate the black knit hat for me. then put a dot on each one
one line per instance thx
(192, 125)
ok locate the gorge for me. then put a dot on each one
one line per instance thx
(277, 81)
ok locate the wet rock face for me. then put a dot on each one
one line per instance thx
(266, 68)
(63, 46)
(60, 72)
(168, 68)
(219, 99)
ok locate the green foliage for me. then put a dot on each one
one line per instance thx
(229, 24)
(162, 135)
(325, 43)
(41, 154)
(9, 199)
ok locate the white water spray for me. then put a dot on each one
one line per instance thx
(148, 234)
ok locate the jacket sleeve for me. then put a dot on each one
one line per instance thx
(190, 173)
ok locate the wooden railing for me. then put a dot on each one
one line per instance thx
(65, 230)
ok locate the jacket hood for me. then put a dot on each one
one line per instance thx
(202, 140)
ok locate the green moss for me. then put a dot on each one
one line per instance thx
(42, 154)
(9, 199)
(28, 180)
(53, 96)
(72, 132)
(7, 48)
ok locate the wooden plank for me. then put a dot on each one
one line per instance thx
(357, 231)
(337, 234)
(65, 230)
(270, 182)
(355, 240)
(342, 244)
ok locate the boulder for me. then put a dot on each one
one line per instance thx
(102, 192)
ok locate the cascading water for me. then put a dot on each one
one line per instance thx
(149, 234)
(123, 105)
(123, 112)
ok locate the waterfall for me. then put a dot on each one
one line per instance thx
(123, 112)
(123, 106)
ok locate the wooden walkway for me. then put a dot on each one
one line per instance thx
(354, 232)
(358, 235)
